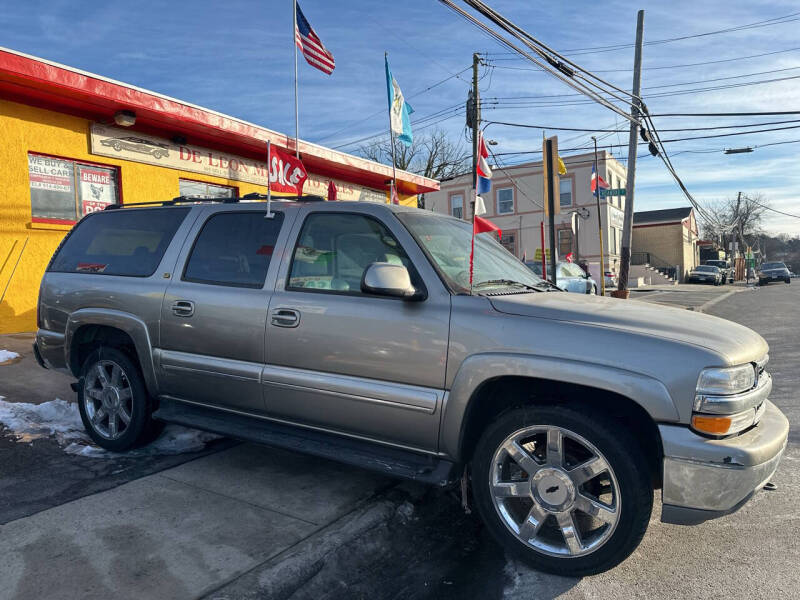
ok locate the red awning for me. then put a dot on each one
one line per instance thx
(45, 84)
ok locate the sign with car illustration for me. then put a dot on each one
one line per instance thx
(121, 143)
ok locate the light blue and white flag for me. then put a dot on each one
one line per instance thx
(399, 109)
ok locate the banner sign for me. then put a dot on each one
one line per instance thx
(52, 188)
(287, 174)
(616, 217)
(97, 188)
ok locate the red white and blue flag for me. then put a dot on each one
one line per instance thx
(595, 178)
(311, 46)
(484, 179)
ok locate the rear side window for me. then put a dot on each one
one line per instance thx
(234, 249)
(120, 242)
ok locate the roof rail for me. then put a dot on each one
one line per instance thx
(225, 200)
(259, 196)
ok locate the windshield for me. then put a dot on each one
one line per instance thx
(706, 269)
(776, 265)
(447, 242)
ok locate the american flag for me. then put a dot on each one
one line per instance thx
(311, 46)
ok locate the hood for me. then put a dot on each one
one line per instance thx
(735, 343)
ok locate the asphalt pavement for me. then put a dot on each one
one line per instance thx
(238, 521)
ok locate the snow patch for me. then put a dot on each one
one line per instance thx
(6, 355)
(61, 420)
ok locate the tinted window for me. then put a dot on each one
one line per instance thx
(234, 249)
(334, 250)
(773, 265)
(120, 242)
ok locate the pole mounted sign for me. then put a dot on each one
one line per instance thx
(612, 192)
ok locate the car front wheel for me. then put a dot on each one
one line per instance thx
(567, 491)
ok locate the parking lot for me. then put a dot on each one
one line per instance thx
(201, 517)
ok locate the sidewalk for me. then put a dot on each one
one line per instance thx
(186, 531)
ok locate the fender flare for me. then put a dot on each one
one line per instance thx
(126, 322)
(649, 393)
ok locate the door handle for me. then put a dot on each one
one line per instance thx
(285, 317)
(183, 308)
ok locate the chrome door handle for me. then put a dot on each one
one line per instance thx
(285, 317)
(183, 308)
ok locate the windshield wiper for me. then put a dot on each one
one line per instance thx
(504, 283)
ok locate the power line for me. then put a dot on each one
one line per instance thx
(591, 130)
(730, 114)
(772, 209)
(758, 24)
(697, 64)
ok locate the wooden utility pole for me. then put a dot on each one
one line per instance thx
(633, 142)
(476, 119)
(551, 182)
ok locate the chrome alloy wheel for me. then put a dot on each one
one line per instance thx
(108, 399)
(555, 491)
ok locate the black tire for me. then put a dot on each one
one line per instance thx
(787, 280)
(621, 452)
(141, 428)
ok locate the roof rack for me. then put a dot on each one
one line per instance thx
(224, 200)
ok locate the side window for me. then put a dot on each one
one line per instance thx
(457, 206)
(128, 242)
(334, 250)
(234, 249)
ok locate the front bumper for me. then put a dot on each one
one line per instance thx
(708, 478)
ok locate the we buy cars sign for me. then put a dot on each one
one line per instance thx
(286, 173)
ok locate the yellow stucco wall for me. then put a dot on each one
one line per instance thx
(26, 247)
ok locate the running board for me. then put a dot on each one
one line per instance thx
(395, 462)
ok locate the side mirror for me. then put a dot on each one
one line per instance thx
(386, 279)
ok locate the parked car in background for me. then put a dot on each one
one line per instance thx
(570, 277)
(351, 331)
(705, 274)
(724, 267)
(773, 271)
(610, 278)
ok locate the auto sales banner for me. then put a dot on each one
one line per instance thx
(288, 175)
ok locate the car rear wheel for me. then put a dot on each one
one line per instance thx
(566, 491)
(113, 401)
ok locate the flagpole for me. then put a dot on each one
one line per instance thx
(391, 139)
(296, 104)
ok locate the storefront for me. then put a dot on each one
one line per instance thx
(72, 142)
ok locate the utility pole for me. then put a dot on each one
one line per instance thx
(599, 221)
(550, 156)
(627, 224)
(476, 119)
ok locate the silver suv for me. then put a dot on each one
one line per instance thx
(348, 330)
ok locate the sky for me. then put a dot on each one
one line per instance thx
(236, 57)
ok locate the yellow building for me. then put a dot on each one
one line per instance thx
(666, 239)
(72, 142)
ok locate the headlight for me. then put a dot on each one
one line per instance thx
(726, 380)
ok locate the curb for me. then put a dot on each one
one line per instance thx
(703, 307)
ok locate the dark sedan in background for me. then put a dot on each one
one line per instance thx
(773, 271)
(705, 274)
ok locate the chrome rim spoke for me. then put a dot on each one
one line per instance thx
(588, 470)
(124, 415)
(116, 376)
(595, 509)
(98, 416)
(125, 394)
(533, 523)
(555, 447)
(515, 489)
(570, 531)
(100, 371)
(94, 394)
(112, 424)
(521, 457)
